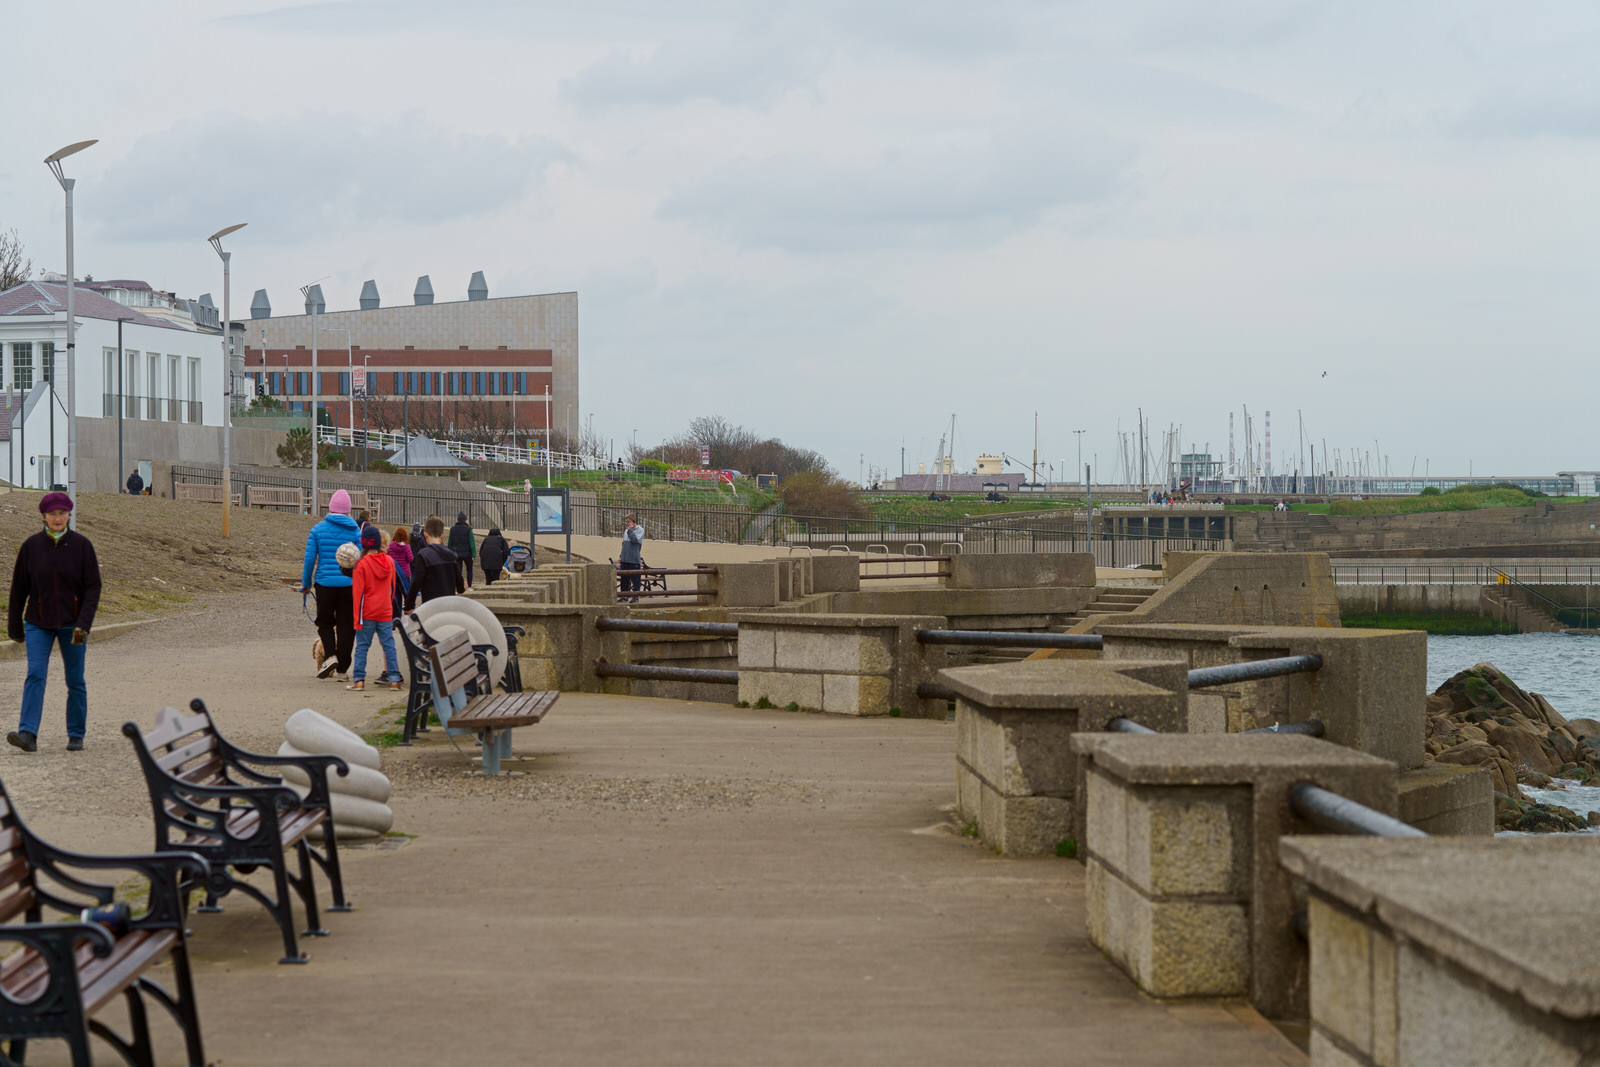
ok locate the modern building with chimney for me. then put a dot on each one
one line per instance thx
(504, 368)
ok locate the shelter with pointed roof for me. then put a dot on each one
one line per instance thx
(424, 453)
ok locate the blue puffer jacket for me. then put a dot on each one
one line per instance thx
(321, 546)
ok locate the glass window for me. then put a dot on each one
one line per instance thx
(155, 375)
(47, 361)
(110, 355)
(399, 381)
(174, 376)
(477, 383)
(438, 384)
(22, 364)
(344, 383)
(411, 382)
(130, 379)
(455, 383)
(194, 380)
(494, 384)
(522, 383)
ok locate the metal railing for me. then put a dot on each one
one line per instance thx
(669, 626)
(665, 674)
(1348, 572)
(1252, 670)
(1334, 814)
(1546, 604)
(478, 450)
(645, 573)
(195, 411)
(1009, 639)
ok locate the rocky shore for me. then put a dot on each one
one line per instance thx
(1481, 718)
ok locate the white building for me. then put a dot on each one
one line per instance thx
(167, 386)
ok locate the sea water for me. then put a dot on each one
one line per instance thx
(1563, 668)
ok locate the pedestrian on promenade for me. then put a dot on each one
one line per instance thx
(632, 558)
(464, 544)
(435, 572)
(372, 589)
(55, 589)
(135, 484)
(323, 575)
(493, 555)
(400, 552)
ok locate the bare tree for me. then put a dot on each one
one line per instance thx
(14, 269)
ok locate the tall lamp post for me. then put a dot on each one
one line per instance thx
(316, 387)
(350, 361)
(53, 161)
(120, 402)
(227, 370)
(1080, 449)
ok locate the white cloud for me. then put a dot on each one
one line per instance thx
(315, 175)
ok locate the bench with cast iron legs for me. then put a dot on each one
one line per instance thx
(210, 799)
(465, 701)
(64, 973)
(419, 700)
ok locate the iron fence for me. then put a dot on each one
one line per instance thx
(1350, 572)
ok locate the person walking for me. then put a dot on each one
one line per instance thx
(55, 589)
(493, 555)
(323, 575)
(435, 572)
(400, 552)
(372, 590)
(135, 484)
(632, 558)
(463, 543)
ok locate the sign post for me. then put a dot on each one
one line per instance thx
(549, 513)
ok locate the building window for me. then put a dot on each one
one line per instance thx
(174, 376)
(22, 364)
(110, 355)
(47, 361)
(130, 379)
(411, 382)
(494, 384)
(155, 375)
(522, 383)
(399, 380)
(438, 384)
(477, 383)
(453, 383)
(505, 382)
(344, 385)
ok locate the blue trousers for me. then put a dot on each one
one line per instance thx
(385, 632)
(39, 641)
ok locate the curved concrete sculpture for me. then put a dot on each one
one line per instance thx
(443, 615)
(358, 800)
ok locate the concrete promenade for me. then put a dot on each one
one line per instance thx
(664, 883)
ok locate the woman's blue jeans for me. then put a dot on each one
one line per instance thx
(385, 632)
(39, 641)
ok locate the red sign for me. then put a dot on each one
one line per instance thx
(699, 476)
(705, 457)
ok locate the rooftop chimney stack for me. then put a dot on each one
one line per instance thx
(261, 307)
(477, 288)
(315, 304)
(424, 292)
(369, 295)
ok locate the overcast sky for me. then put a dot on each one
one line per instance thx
(839, 223)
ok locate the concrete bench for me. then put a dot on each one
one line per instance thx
(1451, 950)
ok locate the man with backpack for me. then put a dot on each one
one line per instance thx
(435, 571)
(463, 544)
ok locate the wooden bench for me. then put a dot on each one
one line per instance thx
(419, 699)
(271, 496)
(359, 499)
(465, 701)
(206, 494)
(64, 973)
(210, 800)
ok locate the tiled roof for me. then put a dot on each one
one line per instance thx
(47, 298)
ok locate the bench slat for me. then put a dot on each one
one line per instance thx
(173, 725)
(179, 756)
(17, 903)
(103, 979)
(206, 772)
(10, 838)
(505, 711)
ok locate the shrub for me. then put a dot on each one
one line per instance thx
(821, 494)
(1430, 490)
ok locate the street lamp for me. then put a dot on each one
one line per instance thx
(53, 161)
(316, 389)
(1080, 448)
(227, 369)
(350, 361)
(120, 402)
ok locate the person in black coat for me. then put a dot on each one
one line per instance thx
(463, 543)
(493, 556)
(135, 484)
(55, 590)
(435, 571)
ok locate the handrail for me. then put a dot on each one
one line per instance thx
(1008, 639)
(665, 674)
(1127, 726)
(1555, 607)
(1335, 814)
(668, 626)
(1253, 670)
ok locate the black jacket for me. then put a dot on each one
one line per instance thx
(59, 581)
(494, 551)
(461, 541)
(135, 483)
(435, 572)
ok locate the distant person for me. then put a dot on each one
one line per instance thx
(364, 518)
(493, 556)
(631, 559)
(135, 484)
(372, 591)
(400, 552)
(322, 575)
(435, 571)
(55, 589)
(464, 544)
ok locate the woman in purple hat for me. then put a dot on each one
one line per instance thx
(55, 590)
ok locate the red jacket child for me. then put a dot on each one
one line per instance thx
(373, 586)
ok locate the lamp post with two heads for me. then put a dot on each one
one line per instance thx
(53, 161)
(227, 370)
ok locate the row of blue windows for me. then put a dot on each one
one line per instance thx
(413, 383)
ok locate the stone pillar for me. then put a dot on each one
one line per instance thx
(845, 664)
(1422, 957)
(562, 646)
(1016, 777)
(835, 572)
(1184, 889)
(1021, 570)
(741, 585)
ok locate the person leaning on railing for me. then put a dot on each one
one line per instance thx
(631, 559)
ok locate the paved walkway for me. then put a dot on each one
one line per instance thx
(664, 883)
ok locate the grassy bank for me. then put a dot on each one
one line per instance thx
(1455, 500)
(921, 509)
(1454, 624)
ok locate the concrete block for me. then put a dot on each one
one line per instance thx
(832, 650)
(968, 794)
(782, 688)
(1446, 800)
(1324, 1053)
(741, 585)
(835, 573)
(1341, 976)
(757, 648)
(1188, 842)
(1248, 588)
(1022, 570)
(855, 694)
(1179, 948)
(1030, 826)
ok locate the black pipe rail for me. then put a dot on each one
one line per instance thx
(905, 559)
(1253, 670)
(1008, 639)
(935, 691)
(669, 626)
(1311, 728)
(1330, 812)
(651, 570)
(665, 674)
(919, 574)
(1127, 726)
(664, 592)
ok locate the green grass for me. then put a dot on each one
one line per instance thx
(921, 509)
(1455, 624)
(1455, 500)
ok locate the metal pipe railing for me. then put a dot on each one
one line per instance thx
(935, 691)
(665, 592)
(669, 626)
(1008, 639)
(1335, 814)
(1311, 728)
(666, 674)
(1127, 726)
(1253, 670)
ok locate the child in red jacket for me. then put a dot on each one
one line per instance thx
(373, 592)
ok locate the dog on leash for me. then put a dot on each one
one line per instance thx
(317, 655)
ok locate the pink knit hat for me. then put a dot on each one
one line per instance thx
(339, 503)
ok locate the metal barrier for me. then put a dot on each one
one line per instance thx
(665, 674)
(1334, 814)
(935, 691)
(669, 626)
(1008, 639)
(645, 573)
(1127, 726)
(906, 560)
(1253, 670)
